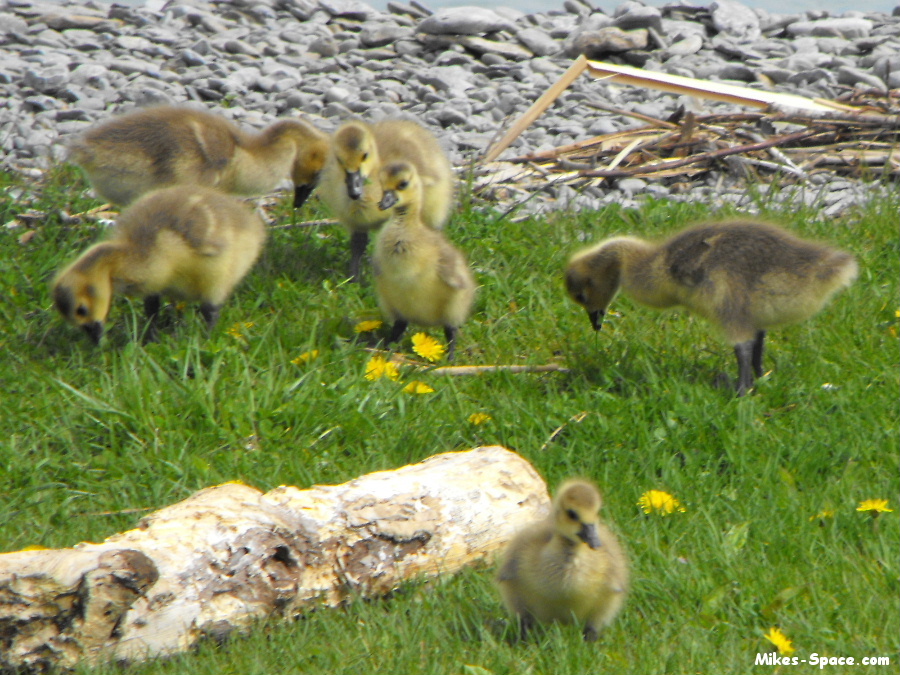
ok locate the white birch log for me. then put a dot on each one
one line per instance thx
(230, 554)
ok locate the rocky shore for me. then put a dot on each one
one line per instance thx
(466, 73)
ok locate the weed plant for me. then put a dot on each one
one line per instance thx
(91, 438)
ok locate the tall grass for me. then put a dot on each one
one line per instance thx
(91, 438)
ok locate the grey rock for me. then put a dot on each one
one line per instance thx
(455, 80)
(638, 16)
(81, 20)
(855, 76)
(632, 185)
(464, 21)
(689, 45)
(538, 42)
(733, 18)
(41, 103)
(90, 74)
(192, 58)
(595, 44)
(133, 43)
(337, 95)
(349, 9)
(848, 28)
(324, 46)
(49, 38)
(47, 80)
(81, 39)
(507, 50)
(449, 115)
(382, 34)
(10, 24)
(737, 71)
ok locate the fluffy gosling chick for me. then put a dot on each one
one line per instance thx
(350, 185)
(161, 146)
(569, 568)
(744, 276)
(420, 277)
(186, 242)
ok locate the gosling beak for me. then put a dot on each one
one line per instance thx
(94, 329)
(354, 184)
(387, 200)
(596, 318)
(301, 194)
(588, 534)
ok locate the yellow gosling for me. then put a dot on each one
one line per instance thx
(156, 147)
(420, 277)
(569, 568)
(186, 242)
(350, 183)
(743, 276)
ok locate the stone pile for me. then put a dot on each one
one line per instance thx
(465, 72)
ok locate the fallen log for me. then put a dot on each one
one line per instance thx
(230, 554)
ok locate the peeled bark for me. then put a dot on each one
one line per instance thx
(230, 554)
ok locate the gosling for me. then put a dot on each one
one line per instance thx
(744, 276)
(350, 185)
(186, 242)
(156, 147)
(420, 277)
(569, 568)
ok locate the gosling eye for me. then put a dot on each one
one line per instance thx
(571, 513)
(402, 185)
(81, 311)
(365, 156)
(581, 298)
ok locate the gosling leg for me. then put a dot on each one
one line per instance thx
(397, 330)
(210, 313)
(152, 303)
(758, 353)
(744, 352)
(590, 633)
(450, 333)
(526, 623)
(359, 240)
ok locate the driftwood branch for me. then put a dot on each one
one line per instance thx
(481, 370)
(793, 135)
(703, 157)
(231, 554)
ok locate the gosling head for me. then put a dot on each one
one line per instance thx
(354, 148)
(83, 298)
(400, 184)
(307, 168)
(592, 280)
(577, 512)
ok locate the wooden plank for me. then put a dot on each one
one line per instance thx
(536, 109)
(719, 91)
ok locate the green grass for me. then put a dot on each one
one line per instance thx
(88, 435)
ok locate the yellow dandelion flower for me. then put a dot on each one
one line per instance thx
(305, 357)
(822, 515)
(657, 501)
(779, 639)
(379, 367)
(427, 347)
(237, 330)
(875, 506)
(479, 418)
(417, 387)
(367, 326)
